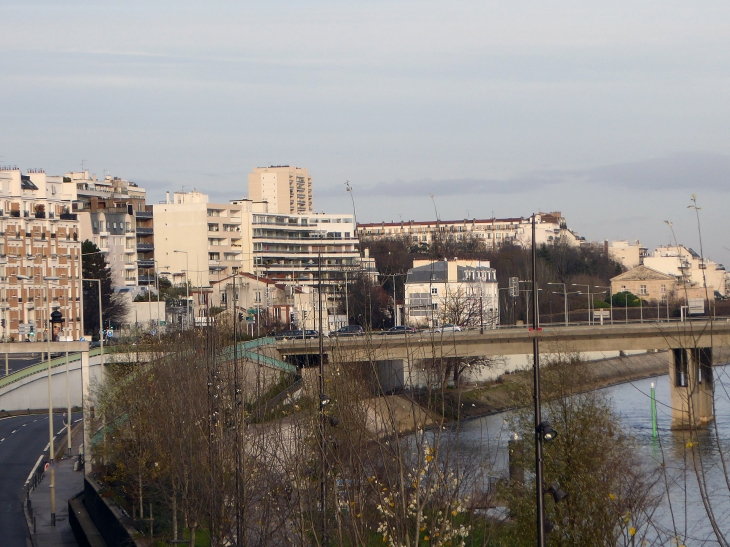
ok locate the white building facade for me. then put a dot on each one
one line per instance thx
(460, 292)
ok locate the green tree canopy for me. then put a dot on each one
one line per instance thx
(114, 308)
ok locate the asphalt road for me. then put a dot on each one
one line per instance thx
(22, 440)
(17, 362)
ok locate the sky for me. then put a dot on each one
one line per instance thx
(613, 112)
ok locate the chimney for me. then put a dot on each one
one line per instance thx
(167, 197)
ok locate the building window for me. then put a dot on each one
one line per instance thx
(642, 290)
(434, 290)
(664, 288)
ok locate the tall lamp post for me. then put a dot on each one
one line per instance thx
(565, 297)
(610, 297)
(589, 298)
(187, 286)
(49, 334)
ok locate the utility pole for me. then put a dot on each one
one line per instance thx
(322, 432)
(539, 495)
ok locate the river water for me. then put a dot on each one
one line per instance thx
(682, 510)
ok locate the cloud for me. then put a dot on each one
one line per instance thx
(694, 171)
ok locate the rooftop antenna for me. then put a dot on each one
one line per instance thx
(82, 165)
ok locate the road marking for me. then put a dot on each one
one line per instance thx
(13, 431)
(77, 421)
(24, 425)
(1, 440)
(47, 447)
(34, 421)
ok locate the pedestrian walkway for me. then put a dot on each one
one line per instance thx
(68, 484)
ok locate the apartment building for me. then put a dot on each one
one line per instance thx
(629, 254)
(40, 255)
(690, 270)
(294, 248)
(113, 215)
(461, 292)
(494, 232)
(196, 240)
(286, 189)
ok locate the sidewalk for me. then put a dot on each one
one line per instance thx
(68, 484)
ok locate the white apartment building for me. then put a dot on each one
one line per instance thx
(40, 254)
(286, 189)
(462, 292)
(494, 232)
(690, 270)
(630, 255)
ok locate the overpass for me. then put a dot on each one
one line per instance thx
(399, 359)
(516, 340)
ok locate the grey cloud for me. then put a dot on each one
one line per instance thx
(677, 171)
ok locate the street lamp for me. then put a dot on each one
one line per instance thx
(610, 297)
(565, 297)
(50, 393)
(589, 298)
(187, 286)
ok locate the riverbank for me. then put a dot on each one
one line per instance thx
(500, 395)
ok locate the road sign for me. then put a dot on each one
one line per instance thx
(696, 306)
(110, 333)
(514, 286)
(23, 328)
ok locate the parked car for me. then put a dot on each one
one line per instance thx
(400, 330)
(349, 330)
(448, 327)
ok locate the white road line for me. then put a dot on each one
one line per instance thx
(24, 425)
(77, 421)
(47, 447)
(14, 430)
(34, 421)
(1, 440)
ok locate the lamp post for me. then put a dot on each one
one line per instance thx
(610, 297)
(101, 325)
(565, 297)
(187, 286)
(589, 298)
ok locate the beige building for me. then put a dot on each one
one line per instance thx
(294, 307)
(197, 240)
(286, 189)
(40, 254)
(462, 292)
(628, 254)
(494, 232)
(646, 283)
(691, 270)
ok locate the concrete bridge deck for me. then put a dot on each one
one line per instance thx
(518, 340)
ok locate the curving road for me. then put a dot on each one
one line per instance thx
(22, 440)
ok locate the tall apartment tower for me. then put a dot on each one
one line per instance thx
(288, 190)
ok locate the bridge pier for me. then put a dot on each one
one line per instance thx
(691, 385)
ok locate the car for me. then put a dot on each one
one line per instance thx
(399, 330)
(448, 327)
(348, 330)
(289, 335)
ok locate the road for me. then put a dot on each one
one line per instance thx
(17, 362)
(22, 440)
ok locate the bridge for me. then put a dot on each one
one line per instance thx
(398, 358)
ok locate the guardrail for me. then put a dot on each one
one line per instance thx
(43, 365)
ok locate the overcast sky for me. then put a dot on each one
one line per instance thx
(612, 112)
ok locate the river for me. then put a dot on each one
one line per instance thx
(682, 510)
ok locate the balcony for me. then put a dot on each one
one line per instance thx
(68, 216)
(145, 231)
(142, 263)
(143, 214)
(145, 247)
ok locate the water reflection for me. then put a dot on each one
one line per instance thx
(683, 459)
